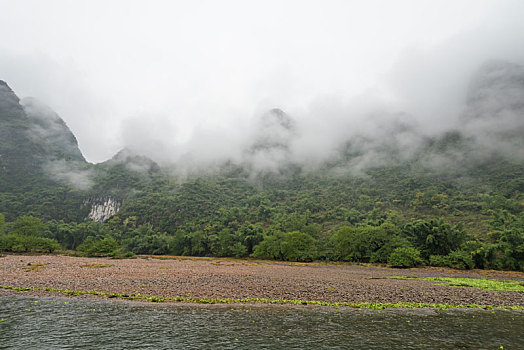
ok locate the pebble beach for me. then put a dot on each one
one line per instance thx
(169, 277)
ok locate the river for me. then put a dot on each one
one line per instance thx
(64, 323)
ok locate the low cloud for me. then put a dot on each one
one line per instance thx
(365, 86)
(70, 173)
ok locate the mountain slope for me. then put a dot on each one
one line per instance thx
(459, 192)
(31, 135)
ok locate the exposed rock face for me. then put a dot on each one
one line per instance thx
(103, 208)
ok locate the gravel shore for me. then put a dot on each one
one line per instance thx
(231, 278)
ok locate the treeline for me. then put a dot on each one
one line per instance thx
(292, 237)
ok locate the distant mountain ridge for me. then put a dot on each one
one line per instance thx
(42, 170)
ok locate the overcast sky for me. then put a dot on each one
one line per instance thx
(171, 76)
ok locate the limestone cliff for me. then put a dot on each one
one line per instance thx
(102, 208)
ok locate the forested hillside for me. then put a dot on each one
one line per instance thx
(454, 200)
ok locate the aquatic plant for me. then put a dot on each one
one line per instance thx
(203, 300)
(481, 283)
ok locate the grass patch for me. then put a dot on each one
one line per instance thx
(34, 267)
(189, 299)
(95, 266)
(480, 283)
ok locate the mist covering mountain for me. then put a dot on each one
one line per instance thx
(35, 141)
(388, 171)
(495, 109)
(33, 137)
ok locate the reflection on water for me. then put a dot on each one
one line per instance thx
(60, 323)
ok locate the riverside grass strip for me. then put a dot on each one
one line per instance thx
(363, 305)
(480, 283)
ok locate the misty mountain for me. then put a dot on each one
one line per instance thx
(390, 177)
(31, 136)
(270, 149)
(29, 123)
(43, 172)
(387, 163)
(494, 114)
(132, 161)
(50, 131)
(496, 88)
(39, 161)
(274, 132)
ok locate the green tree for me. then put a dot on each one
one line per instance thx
(21, 244)
(434, 237)
(458, 259)
(94, 246)
(298, 246)
(405, 257)
(2, 223)
(199, 243)
(27, 225)
(251, 235)
(366, 243)
(270, 247)
(511, 245)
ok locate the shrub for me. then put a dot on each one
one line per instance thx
(93, 246)
(511, 246)
(298, 246)
(238, 250)
(21, 244)
(405, 257)
(366, 243)
(439, 260)
(120, 255)
(461, 260)
(269, 248)
(434, 237)
(225, 243)
(291, 246)
(458, 259)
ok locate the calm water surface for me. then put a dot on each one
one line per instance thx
(61, 323)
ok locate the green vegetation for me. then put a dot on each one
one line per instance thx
(2, 223)
(23, 244)
(239, 220)
(25, 235)
(405, 257)
(481, 283)
(464, 210)
(156, 299)
(95, 266)
(92, 246)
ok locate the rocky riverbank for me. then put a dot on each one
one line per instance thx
(170, 277)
